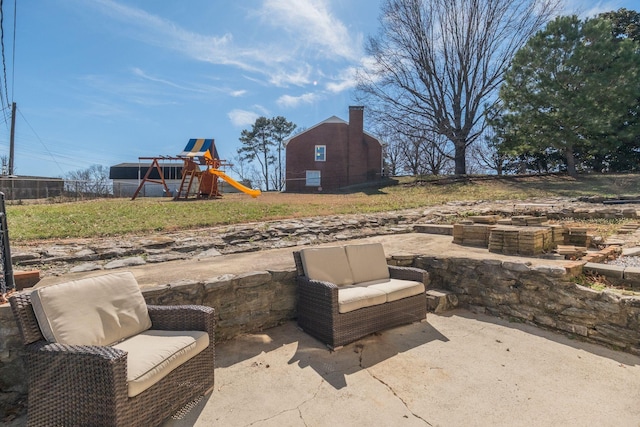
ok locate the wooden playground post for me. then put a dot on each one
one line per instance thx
(156, 165)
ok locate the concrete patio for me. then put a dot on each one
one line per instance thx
(456, 369)
(459, 368)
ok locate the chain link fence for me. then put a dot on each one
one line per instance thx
(51, 190)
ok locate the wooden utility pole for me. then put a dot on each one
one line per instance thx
(12, 137)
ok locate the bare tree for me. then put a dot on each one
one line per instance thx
(486, 153)
(240, 167)
(436, 64)
(414, 151)
(4, 161)
(436, 160)
(391, 153)
(93, 181)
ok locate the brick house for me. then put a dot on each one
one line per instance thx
(333, 154)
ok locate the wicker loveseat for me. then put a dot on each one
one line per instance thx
(348, 292)
(97, 355)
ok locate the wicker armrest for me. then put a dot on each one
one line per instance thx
(88, 352)
(182, 318)
(322, 289)
(323, 293)
(78, 366)
(61, 373)
(409, 273)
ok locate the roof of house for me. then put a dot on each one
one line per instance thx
(136, 171)
(332, 119)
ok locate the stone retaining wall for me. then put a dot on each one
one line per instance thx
(542, 295)
(76, 255)
(244, 303)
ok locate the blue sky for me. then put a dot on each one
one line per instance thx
(105, 82)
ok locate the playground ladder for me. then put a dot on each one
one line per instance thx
(190, 175)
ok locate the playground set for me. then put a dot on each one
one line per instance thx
(195, 181)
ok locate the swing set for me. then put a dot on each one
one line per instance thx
(202, 184)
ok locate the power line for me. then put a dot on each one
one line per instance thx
(4, 62)
(41, 142)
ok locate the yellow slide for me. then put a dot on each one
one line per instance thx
(236, 184)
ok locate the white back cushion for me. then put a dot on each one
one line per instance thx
(367, 262)
(94, 311)
(327, 265)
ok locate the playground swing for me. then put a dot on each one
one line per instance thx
(147, 176)
(204, 184)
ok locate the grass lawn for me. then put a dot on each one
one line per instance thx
(114, 217)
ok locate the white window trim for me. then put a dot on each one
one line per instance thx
(315, 157)
(314, 180)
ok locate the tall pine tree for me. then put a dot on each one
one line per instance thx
(569, 90)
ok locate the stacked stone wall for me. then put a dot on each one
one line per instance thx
(546, 296)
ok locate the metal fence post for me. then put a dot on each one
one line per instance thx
(7, 282)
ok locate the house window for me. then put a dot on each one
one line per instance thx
(321, 153)
(313, 179)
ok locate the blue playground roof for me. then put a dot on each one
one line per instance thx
(197, 148)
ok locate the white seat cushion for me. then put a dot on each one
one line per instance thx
(94, 311)
(327, 264)
(153, 354)
(367, 262)
(351, 298)
(396, 289)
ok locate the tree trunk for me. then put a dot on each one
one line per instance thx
(266, 170)
(460, 158)
(571, 161)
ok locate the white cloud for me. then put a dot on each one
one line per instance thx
(577, 7)
(297, 77)
(140, 73)
(161, 32)
(348, 77)
(312, 24)
(238, 93)
(293, 101)
(344, 81)
(242, 118)
(299, 33)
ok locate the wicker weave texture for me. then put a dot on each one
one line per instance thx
(318, 314)
(70, 385)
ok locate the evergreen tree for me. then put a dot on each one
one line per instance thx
(256, 145)
(625, 24)
(259, 142)
(281, 129)
(570, 89)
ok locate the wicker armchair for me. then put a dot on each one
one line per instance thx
(86, 385)
(319, 315)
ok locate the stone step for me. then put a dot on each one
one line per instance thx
(441, 300)
(443, 229)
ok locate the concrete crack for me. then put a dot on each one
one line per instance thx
(297, 408)
(399, 398)
(359, 349)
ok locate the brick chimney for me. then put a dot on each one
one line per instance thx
(356, 149)
(356, 123)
